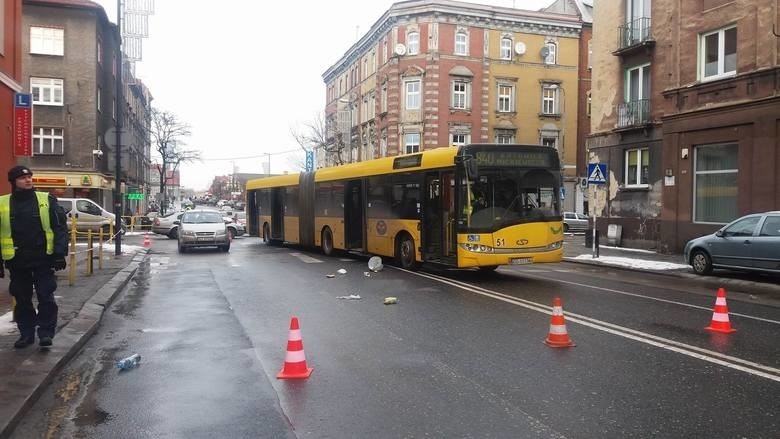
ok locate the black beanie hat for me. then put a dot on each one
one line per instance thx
(18, 171)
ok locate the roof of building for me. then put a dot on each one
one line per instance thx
(76, 4)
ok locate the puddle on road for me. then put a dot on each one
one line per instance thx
(139, 287)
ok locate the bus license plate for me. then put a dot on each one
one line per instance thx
(521, 261)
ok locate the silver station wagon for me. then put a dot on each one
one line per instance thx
(750, 243)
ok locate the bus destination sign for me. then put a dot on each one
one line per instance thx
(522, 159)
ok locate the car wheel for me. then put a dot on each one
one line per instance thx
(405, 254)
(701, 262)
(182, 249)
(231, 233)
(225, 248)
(565, 228)
(174, 233)
(327, 242)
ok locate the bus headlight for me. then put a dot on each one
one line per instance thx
(476, 248)
(555, 245)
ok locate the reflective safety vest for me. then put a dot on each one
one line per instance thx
(7, 248)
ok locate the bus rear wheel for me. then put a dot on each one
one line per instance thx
(327, 242)
(405, 254)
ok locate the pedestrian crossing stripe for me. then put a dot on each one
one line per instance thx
(596, 176)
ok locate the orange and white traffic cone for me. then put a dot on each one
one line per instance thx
(720, 315)
(294, 359)
(147, 240)
(558, 337)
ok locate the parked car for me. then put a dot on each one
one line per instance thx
(88, 215)
(164, 225)
(574, 222)
(750, 243)
(200, 228)
(236, 224)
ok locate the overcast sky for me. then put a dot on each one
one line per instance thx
(243, 73)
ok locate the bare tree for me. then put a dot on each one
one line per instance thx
(166, 132)
(322, 135)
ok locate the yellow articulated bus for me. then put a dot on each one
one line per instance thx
(478, 205)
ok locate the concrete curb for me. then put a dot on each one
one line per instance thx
(41, 369)
(744, 286)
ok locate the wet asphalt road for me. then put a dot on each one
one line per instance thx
(460, 355)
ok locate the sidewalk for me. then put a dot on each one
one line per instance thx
(25, 372)
(574, 250)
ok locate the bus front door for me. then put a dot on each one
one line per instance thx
(432, 217)
(277, 213)
(354, 226)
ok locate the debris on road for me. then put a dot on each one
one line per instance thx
(375, 264)
(342, 271)
(391, 300)
(129, 362)
(366, 274)
(350, 297)
(330, 276)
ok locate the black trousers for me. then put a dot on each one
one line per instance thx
(21, 287)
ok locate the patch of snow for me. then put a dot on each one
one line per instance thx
(634, 263)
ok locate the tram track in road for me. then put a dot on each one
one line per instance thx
(732, 362)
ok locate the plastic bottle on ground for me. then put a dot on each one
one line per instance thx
(129, 362)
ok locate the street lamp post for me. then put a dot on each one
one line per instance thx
(117, 150)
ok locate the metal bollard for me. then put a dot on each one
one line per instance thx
(89, 252)
(72, 253)
(100, 249)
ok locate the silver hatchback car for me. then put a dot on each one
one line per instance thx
(750, 243)
(203, 228)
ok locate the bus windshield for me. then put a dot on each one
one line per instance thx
(500, 197)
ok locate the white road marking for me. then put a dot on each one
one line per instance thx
(746, 366)
(626, 293)
(306, 258)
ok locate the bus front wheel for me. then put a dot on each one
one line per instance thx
(405, 254)
(327, 242)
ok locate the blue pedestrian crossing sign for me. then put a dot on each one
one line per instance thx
(597, 173)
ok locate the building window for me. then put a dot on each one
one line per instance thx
(99, 98)
(113, 108)
(550, 99)
(552, 52)
(413, 94)
(715, 183)
(412, 142)
(588, 103)
(505, 136)
(460, 94)
(47, 141)
(47, 41)
(506, 98)
(413, 43)
(506, 49)
(459, 139)
(637, 83)
(718, 51)
(637, 167)
(461, 43)
(46, 91)
(384, 97)
(549, 140)
(383, 143)
(99, 51)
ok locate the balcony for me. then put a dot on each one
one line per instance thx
(633, 114)
(633, 36)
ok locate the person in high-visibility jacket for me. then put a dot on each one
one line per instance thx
(33, 243)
